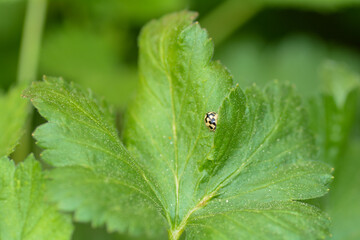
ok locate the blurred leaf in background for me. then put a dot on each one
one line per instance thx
(95, 43)
(89, 59)
(333, 111)
(296, 58)
(343, 205)
(11, 21)
(13, 111)
(86, 231)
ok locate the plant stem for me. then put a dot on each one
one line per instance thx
(31, 41)
(28, 63)
(229, 16)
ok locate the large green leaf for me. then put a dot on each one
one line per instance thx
(24, 213)
(175, 174)
(14, 111)
(252, 128)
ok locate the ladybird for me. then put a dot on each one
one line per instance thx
(211, 120)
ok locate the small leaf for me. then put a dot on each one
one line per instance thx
(24, 213)
(14, 111)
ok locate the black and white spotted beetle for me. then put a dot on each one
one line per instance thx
(211, 120)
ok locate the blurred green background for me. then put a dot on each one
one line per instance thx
(313, 44)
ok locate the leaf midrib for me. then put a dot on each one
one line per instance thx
(174, 130)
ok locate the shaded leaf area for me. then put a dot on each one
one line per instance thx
(14, 111)
(96, 177)
(176, 174)
(25, 214)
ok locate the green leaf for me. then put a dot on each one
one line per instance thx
(258, 132)
(96, 176)
(175, 174)
(25, 214)
(14, 111)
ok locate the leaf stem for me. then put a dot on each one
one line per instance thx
(31, 41)
(175, 234)
(229, 16)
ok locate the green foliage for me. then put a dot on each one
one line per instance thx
(14, 111)
(174, 174)
(24, 213)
